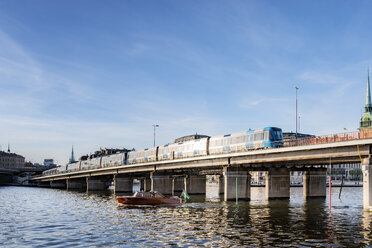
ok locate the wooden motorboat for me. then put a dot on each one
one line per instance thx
(148, 198)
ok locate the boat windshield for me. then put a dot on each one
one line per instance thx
(148, 194)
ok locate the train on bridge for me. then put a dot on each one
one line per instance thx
(268, 137)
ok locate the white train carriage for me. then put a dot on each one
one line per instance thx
(166, 152)
(61, 169)
(94, 163)
(244, 141)
(84, 165)
(73, 167)
(49, 172)
(192, 148)
(143, 156)
(113, 160)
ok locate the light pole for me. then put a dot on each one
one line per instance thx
(296, 109)
(155, 126)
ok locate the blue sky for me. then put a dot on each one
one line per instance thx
(99, 73)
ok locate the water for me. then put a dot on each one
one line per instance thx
(39, 217)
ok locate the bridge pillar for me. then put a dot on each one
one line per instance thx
(237, 184)
(212, 187)
(58, 184)
(145, 184)
(161, 183)
(75, 184)
(123, 184)
(367, 183)
(96, 184)
(277, 183)
(178, 185)
(314, 183)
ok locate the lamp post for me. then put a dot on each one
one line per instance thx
(296, 110)
(155, 126)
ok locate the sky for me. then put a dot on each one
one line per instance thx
(98, 74)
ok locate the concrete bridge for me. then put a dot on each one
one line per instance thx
(8, 175)
(228, 174)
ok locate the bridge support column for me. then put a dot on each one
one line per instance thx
(237, 184)
(161, 183)
(123, 184)
(75, 184)
(58, 184)
(314, 183)
(95, 184)
(212, 187)
(178, 185)
(277, 184)
(145, 184)
(367, 183)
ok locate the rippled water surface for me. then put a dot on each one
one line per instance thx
(39, 217)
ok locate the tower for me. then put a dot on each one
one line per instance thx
(366, 120)
(72, 159)
(8, 147)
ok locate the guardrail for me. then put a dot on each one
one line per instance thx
(324, 139)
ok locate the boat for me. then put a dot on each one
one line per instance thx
(152, 198)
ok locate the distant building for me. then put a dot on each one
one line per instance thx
(48, 162)
(366, 120)
(72, 158)
(11, 160)
(190, 137)
(291, 135)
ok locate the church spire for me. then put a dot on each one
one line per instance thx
(366, 120)
(368, 98)
(72, 159)
(8, 147)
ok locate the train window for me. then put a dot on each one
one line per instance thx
(266, 135)
(278, 134)
(258, 136)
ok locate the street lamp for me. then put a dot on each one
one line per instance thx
(155, 126)
(296, 109)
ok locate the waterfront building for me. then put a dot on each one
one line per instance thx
(292, 135)
(190, 137)
(11, 160)
(48, 161)
(366, 120)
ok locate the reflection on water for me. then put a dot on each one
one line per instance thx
(31, 217)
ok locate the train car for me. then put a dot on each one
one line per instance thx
(84, 165)
(49, 172)
(192, 148)
(73, 167)
(166, 152)
(143, 156)
(244, 141)
(112, 160)
(94, 163)
(61, 169)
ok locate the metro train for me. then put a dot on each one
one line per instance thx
(268, 137)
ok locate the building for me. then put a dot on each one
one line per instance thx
(72, 158)
(366, 120)
(292, 135)
(48, 161)
(190, 137)
(11, 160)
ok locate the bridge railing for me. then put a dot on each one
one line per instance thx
(324, 139)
